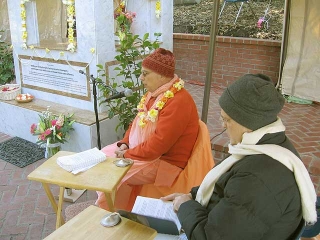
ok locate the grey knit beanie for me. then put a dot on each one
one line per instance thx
(252, 101)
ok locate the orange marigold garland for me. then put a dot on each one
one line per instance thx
(152, 114)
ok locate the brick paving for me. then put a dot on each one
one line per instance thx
(26, 213)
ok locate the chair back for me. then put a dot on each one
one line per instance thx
(199, 164)
(297, 234)
(313, 230)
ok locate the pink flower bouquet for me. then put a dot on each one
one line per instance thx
(52, 128)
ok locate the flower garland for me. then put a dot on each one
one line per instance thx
(61, 56)
(71, 22)
(158, 9)
(23, 15)
(152, 114)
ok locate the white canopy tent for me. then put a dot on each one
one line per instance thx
(300, 75)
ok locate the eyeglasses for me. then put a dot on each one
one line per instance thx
(224, 120)
(145, 73)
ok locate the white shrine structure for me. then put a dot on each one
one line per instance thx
(47, 66)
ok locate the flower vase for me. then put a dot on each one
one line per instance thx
(52, 149)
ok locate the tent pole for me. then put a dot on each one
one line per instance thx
(212, 43)
(284, 42)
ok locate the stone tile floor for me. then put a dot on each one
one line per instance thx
(26, 213)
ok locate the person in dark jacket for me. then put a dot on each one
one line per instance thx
(262, 191)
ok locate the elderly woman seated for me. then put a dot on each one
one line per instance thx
(161, 138)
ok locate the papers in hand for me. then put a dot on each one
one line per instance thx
(82, 161)
(157, 208)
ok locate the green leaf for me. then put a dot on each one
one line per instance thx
(111, 114)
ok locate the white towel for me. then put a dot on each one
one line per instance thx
(82, 161)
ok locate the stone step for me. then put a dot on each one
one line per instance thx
(81, 116)
(17, 118)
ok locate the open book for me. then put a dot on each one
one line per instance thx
(81, 161)
(160, 216)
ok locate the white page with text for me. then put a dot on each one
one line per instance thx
(156, 208)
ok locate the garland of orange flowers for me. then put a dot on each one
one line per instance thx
(152, 114)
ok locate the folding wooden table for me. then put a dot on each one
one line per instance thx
(86, 225)
(103, 177)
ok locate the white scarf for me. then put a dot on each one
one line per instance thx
(283, 155)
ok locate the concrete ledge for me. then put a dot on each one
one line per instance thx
(16, 119)
(81, 116)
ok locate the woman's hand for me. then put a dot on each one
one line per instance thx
(123, 147)
(178, 199)
(171, 197)
(181, 199)
(121, 150)
(120, 153)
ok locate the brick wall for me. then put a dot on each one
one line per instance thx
(233, 57)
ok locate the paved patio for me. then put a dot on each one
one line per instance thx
(26, 213)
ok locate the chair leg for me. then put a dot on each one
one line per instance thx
(238, 13)
(224, 3)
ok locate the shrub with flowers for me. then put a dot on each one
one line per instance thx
(52, 128)
(123, 19)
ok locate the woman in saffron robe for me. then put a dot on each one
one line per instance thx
(161, 137)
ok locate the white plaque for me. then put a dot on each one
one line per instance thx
(55, 77)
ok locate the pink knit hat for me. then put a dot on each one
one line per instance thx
(160, 61)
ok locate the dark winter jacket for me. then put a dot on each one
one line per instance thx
(258, 198)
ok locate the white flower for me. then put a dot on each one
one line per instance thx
(70, 19)
(147, 50)
(24, 46)
(71, 47)
(158, 13)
